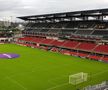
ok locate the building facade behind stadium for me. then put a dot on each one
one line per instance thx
(9, 31)
(81, 33)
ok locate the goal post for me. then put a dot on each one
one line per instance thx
(78, 78)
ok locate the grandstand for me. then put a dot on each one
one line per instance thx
(74, 33)
(59, 51)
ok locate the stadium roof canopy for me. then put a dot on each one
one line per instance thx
(97, 13)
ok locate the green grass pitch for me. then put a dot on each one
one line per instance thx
(41, 70)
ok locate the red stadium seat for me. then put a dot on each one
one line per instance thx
(86, 46)
(70, 44)
(101, 49)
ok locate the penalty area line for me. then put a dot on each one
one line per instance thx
(57, 86)
(96, 74)
(15, 82)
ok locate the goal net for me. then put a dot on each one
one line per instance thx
(78, 78)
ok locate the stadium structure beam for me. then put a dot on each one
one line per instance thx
(98, 14)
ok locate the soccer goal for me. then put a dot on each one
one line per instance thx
(77, 78)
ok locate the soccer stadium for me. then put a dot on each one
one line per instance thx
(56, 51)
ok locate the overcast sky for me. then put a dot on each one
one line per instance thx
(15, 8)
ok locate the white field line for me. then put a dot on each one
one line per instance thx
(52, 81)
(38, 69)
(57, 78)
(57, 86)
(32, 71)
(96, 74)
(15, 82)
